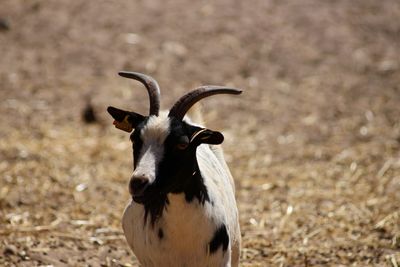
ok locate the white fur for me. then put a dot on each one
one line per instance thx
(153, 136)
(187, 227)
(156, 129)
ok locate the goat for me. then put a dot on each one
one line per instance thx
(183, 210)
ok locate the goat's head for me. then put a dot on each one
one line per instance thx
(164, 146)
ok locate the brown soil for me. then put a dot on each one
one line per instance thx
(313, 142)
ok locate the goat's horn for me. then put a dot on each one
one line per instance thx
(187, 101)
(152, 88)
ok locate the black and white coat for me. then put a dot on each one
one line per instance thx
(183, 210)
(198, 225)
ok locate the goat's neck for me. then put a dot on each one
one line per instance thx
(191, 184)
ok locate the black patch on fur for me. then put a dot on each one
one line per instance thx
(177, 173)
(160, 234)
(220, 239)
(154, 206)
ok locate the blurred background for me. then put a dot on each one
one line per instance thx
(313, 142)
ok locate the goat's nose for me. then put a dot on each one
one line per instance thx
(137, 185)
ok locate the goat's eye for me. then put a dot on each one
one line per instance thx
(183, 143)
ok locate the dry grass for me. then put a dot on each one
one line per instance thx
(313, 143)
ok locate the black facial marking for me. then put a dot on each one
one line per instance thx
(160, 234)
(220, 239)
(180, 166)
(137, 142)
(178, 172)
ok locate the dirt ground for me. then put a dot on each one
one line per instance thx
(313, 142)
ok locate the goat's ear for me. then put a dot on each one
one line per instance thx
(125, 120)
(206, 136)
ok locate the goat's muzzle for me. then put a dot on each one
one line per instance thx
(137, 187)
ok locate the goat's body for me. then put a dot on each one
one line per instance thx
(185, 233)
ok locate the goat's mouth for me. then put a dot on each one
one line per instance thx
(148, 196)
(138, 199)
(139, 196)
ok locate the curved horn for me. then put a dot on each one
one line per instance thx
(152, 88)
(187, 101)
